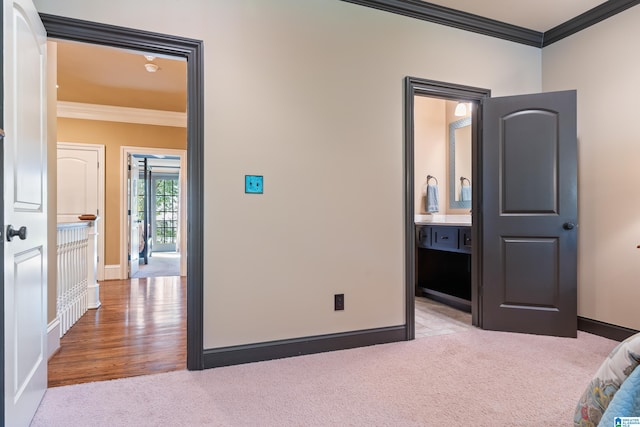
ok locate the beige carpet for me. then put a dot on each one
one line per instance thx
(472, 378)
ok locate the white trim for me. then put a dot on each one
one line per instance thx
(93, 286)
(110, 113)
(112, 272)
(93, 292)
(124, 220)
(99, 148)
(53, 337)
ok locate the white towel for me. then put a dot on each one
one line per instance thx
(431, 201)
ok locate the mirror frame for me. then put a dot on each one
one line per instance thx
(453, 203)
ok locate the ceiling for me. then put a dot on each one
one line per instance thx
(539, 15)
(95, 74)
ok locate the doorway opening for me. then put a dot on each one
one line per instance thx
(158, 212)
(443, 172)
(153, 224)
(125, 103)
(442, 257)
(69, 29)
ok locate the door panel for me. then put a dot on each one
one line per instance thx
(29, 154)
(529, 263)
(28, 267)
(77, 182)
(25, 177)
(530, 140)
(527, 283)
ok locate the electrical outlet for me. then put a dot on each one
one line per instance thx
(338, 302)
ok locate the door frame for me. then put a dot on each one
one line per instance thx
(125, 151)
(192, 50)
(435, 89)
(99, 149)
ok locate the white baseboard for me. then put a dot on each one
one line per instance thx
(112, 272)
(53, 337)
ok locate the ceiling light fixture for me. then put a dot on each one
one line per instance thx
(152, 68)
(149, 57)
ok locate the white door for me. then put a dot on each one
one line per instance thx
(25, 211)
(80, 187)
(77, 186)
(134, 223)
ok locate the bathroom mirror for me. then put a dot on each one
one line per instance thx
(460, 164)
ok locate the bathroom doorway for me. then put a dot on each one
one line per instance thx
(443, 187)
(430, 115)
(516, 140)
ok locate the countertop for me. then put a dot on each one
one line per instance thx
(439, 219)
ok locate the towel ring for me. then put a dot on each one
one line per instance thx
(431, 176)
(463, 179)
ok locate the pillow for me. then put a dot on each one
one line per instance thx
(614, 370)
(626, 402)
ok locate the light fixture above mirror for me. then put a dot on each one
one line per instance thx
(462, 109)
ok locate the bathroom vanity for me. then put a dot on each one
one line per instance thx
(443, 259)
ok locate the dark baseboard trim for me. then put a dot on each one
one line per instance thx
(454, 18)
(587, 19)
(236, 355)
(607, 330)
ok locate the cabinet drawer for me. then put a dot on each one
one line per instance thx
(465, 239)
(444, 237)
(423, 234)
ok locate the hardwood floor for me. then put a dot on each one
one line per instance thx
(140, 329)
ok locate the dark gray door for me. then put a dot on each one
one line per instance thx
(529, 210)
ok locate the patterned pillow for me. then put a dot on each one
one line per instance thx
(614, 370)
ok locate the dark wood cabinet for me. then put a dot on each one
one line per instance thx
(443, 264)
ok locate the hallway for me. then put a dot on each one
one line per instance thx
(140, 329)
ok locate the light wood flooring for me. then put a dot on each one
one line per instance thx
(140, 329)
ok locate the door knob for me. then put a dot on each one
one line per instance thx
(11, 232)
(568, 226)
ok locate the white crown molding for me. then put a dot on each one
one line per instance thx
(109, 113)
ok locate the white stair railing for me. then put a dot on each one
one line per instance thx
(76, 285)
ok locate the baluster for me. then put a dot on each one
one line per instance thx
(72, 293)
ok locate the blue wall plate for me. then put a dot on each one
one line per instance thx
(253, 184)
